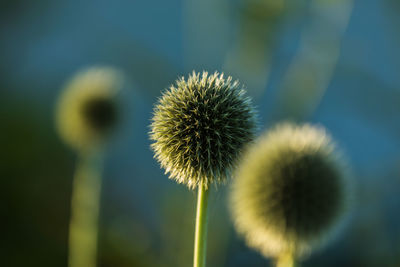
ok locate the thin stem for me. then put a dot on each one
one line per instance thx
(286, 260)
(200, 242)
(85, 203)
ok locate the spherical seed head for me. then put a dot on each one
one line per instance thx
(87, 110)
(200, 127)
(290, 191)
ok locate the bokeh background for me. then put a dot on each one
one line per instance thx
(332, 62)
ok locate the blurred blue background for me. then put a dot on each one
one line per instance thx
(335, 63)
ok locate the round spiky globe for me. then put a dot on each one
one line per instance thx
(290, 191)
(87, 110)
(200, 127)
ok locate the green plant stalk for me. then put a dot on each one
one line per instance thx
(286, 260)
(200, 238)
(85, 205)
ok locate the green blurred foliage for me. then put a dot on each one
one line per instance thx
(36, 175)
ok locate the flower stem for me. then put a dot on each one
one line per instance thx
(200, 242)
(286, 260)
(85, 204)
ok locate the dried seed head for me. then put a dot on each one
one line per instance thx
(290, 191)
(87, 110)
(200, 126)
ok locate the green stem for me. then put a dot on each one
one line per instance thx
(200, 242)
(85, 204)
(286, 260)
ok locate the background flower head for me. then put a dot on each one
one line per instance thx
(290, 191)
(87, 111)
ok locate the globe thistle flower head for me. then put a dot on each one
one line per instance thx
(290, 191)
(199, 128)
(87, 111)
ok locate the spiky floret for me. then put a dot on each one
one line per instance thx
(200, 126)
(290, 191)
(87, 110)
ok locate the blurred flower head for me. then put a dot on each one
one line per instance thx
(87, 111)
(200, 127)
(290, 191)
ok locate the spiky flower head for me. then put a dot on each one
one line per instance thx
(290, 191)
(87, 110)
(200, 126)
